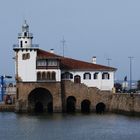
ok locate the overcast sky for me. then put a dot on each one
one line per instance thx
(101, 28)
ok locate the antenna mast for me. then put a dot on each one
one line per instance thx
(63, 45)
(108, 60)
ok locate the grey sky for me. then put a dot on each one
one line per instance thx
(102, 28)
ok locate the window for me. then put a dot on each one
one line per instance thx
(25, 34)
(25, 56)
(26, 42)
(41, 62)
(53, 76)
(43, 76)
(48, 76)
(21, 44)
(67, 75)
(52, 63)
(38, 75)
(105, 75)
(87, 76)
(95, 76)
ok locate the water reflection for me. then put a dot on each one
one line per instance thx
(68, 126)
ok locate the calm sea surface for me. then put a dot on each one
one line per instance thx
(68, 127)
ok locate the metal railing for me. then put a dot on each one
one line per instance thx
(33, 46)
(22, 35)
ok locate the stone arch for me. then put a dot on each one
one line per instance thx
(40, 100)
(71, 104)
(100, 107)
(85, 106)
(77, 79)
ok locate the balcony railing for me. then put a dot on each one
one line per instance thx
(32, 46)
(22, 35)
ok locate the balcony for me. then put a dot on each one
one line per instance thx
(22, 35)
(31, 46)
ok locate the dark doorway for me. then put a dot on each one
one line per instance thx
(40, 100)
(100, 108)
(77, 79)
(85, 106)
(50, 107)
(39, 107)
(71, 103)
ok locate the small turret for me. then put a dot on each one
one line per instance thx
(25, 38)
(25, 27)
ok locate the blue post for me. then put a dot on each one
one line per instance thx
(2, 82)
(2, 87)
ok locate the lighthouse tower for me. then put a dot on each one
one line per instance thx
(25, 38)
(25, 56)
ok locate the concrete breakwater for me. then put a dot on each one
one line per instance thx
(8, 108)
(125, 103)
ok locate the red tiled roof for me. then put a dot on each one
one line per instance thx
(72, 64)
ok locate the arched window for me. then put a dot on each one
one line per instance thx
(53, 75)
(87, 76)
(67, 75)
(38, 75)
(48, 76)
(43, 76)
(77, 79)
(105, 75)
(95, 76)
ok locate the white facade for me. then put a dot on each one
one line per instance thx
(31, 68)
(102, 84)
(27, 66)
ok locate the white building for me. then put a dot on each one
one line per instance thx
(36, 65)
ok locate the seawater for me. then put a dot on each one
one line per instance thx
(68, 127)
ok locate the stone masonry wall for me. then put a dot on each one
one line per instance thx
(61, 91)
(24, 89)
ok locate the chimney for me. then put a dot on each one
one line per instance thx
(94, 59)
(51, 50)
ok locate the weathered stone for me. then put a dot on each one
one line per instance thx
(61, 91)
